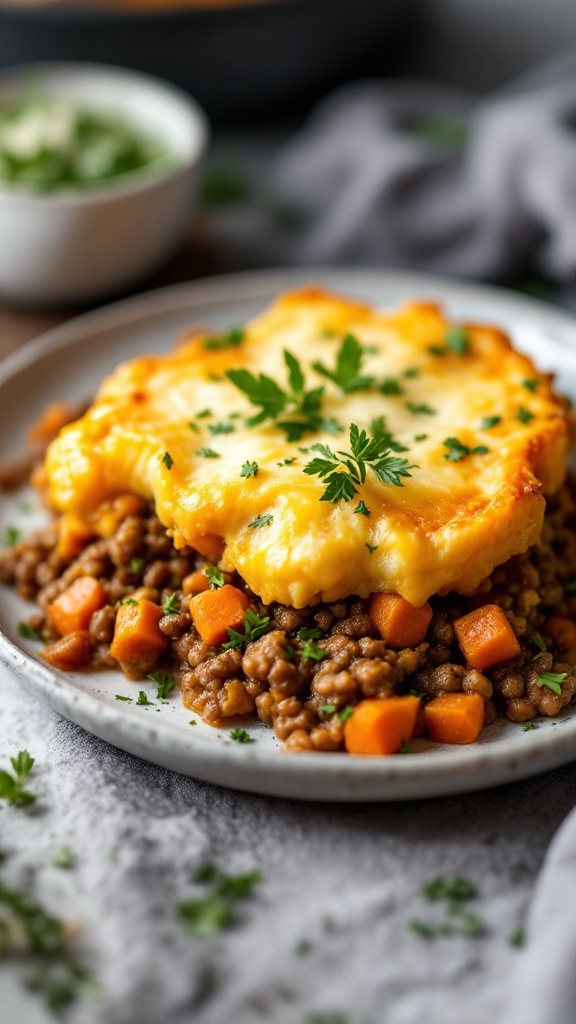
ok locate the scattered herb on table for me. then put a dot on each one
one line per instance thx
(446, 887)
(343, 471)
(119, 696)
(214, 913)
(143, 698)
(529, 726)
(303, 947)
(13, 786)
(63, 858)
(454, 891)
(517, 938)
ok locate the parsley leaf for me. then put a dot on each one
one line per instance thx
(171, 605)
(63, 858)
(391, 386)
(325, 710)
(312, 652)
(208, 453)
(143, 698)
(342, 471)
(204, 414)
(229, 339)
(264, 520)
(347, 369)
(225, 427)
(212, 914)
(10, 536)
(450, 887)
(524, 415)
(119, 696)
(286, 462)
(371, 547)
(249, 469)
(167, 460)
(164, 682)
(310, 633)
(194, 426)
(136, 564)
(528, 726)
(538, 642)
(531, 384)
(552, 680)
(457, 341)
(458, 451)
(240, 736)
(517, 938)
(28, 632)
(214, 575)
(490, 421)
(12, 787)
(361, 509)
(254, 626)
(424, 409)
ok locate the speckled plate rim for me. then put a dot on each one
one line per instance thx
(334, 777)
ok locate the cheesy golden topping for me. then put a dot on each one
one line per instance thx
(478, 430)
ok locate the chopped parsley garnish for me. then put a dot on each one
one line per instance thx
(204, 414)
(164, 682)
(229, 339)
(12, 787)
(524, 415)
(344, 714)
(420, 437)
(310, 633)
(342, 471)
(450, 887)
(528, 726)
(249, 469)
(286, 462)
(28, 632)
(531, 384)
(406, 748)
(119, 696)
(208, 453)
(136, 564)
(192, 721)
(63, 858)
(214, 913)
(552, 680)
(254, 626)
(261, 521)
(167, 460)
(346, 373)
(240, 736)
(371, 547)
(312, 652)
(425, 410)
(391, 386)
(171, 605)
(361, 509)
(458, 451)
(436, 350)
(214, 575)
(194, 426)
(490, 421)
(538, 642)
(289, 652)
(128, 600)
(225, 427)
(11, 535)
(457, 341)
(411, 372)
(379, 428)
(325, 710)
(264, 392)
(517, 938)
(143, 698)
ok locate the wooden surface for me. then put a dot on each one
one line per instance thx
(196, 258)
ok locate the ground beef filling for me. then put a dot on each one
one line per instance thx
(275, 678)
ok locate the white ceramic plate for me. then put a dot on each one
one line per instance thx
(69, 362)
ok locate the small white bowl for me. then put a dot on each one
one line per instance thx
(71, 246)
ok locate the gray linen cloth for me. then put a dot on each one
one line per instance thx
(344, 880)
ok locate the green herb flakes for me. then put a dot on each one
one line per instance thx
(143, 698)
(240, 736)
(249, 469)
(552, 680)
(531, 384)
(422, 409)
(167, 460)
(361, 509)
(303, 947)
(325, 710)
(449, 887)
(208, 453)
(343, 471)
(10, 536)
(171, 605)
(136, 564)
(528, 726)
(215, 912)
(12, 786)
(371, 547)
(487, 422)
(458, 451)
(164, 682)
(119, 696)
(524, 415)
(254, 627)
(457, 341)
(232, 338)
(225, 427)
(312, 652)
(346, 373)
(517, 938)
(63, 858)
(310, 633)
(391, 386)
(29, 632)
(204, 414)
(214, 575)
(264, 520)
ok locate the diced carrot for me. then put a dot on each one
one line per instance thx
(69, 652)
(112, 513)
(195, 582)
(73, 536)
(486, 637)
(455, 717)
(381, 726)
(562, 631)
(72, 610)
(399, 623)
(137, 636)
(214, 612)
